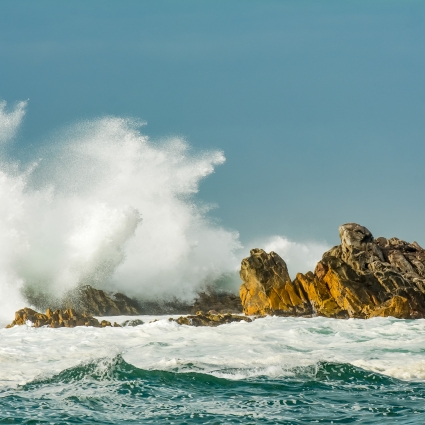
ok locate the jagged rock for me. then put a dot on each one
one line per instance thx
(56, 319)
(267, 287)
(363, 277)
(209, 319)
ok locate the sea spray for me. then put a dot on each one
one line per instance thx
(104, 205)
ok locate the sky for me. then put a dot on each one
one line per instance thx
(318, 106)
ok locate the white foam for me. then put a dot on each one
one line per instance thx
(272, 347)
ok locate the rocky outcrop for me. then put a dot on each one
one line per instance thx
(56, 319)
(268, 289)
(86, 299)
(96, 302)
(363, 277)
(211, 318)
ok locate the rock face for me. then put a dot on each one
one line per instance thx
(363, 277)
(56, 319)
(268, 289)
(209, 319)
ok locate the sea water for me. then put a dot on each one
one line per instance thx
(273, 370)
(100, 203)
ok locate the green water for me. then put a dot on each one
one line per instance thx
(115, 392)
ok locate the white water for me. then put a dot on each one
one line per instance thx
(271, 347)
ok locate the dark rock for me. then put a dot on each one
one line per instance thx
(135, 322)
(209, 319)
(96, 302)
(219, 301)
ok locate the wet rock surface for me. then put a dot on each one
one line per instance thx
(363, 277)
(212, 318)
(56, 319)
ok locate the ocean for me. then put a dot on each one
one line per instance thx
(274, 370)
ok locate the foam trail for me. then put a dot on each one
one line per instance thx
(107, 206)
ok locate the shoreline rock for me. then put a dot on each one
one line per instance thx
(361, 278)
(57, 319)
(212, 319)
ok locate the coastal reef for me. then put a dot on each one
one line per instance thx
(362, 277)
(56, 319)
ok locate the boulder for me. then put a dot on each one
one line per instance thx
(362, 277)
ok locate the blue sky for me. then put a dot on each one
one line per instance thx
(319, 106)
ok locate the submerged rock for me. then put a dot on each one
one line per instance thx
(135, 322)
(56, 319)
(209, 319)
(363, 277)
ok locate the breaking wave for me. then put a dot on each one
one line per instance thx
(104, 205)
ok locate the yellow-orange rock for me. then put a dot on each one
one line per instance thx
(363, 277)
(267, 287)
(396, 307)
(55, 319)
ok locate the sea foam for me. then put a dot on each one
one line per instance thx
(273, 347)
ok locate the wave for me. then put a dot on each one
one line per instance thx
(111, 391)
(117, 369)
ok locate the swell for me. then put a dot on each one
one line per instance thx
(111, 391)
(118, 370)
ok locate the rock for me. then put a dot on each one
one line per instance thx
(267, 287)
(135, 322)
(363, 277)
(96, 302)
(219, 301)
(56, 319)
(88, 300)
(201, 319)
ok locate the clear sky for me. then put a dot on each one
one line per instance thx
(319, 106)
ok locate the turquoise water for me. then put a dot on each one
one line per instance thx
(271, 371)
(122, 393)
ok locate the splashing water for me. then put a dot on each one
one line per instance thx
(109, 207)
